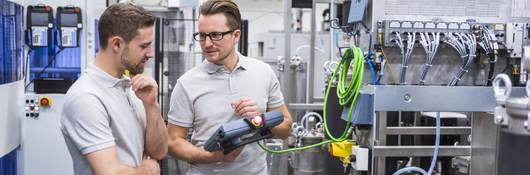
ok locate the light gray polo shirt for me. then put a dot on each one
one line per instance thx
(201, 100)
(101, 111)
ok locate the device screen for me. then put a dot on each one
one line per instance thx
(39, 19)
(69, 19)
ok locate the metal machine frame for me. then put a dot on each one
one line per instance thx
(477, 102)
(418, 98)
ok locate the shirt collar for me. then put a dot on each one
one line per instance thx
(242, 63)
(106, 79)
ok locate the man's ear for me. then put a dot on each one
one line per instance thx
(116, 43)
(237, 35)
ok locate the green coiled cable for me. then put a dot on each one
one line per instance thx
(347, 94)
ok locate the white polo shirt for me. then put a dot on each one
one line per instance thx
(101, 111)
(201, 100)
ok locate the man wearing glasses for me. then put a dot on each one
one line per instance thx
(225, 87)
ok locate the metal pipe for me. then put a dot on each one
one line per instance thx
(311, 70)
(427, 130)
(288, 74)
(306, 106)
(406, 151)
(331, 32)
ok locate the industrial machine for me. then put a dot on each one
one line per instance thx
(43, 137)
(54, 53)
(424, 100)
(55, 59)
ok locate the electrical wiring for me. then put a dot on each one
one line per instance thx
(26, 65)
(385, 61)
(406, 47)
(488, 42)
(44, 69)
(465, 44)
(431, 47)
(293, 149)
(334, 24)
(470, 43)
(372, 71)
(375, 78)
(378, 80)
(347, 94)
(457, 44)
(369, 60)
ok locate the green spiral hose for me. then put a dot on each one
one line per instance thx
(347, 93)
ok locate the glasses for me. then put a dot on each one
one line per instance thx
(214, 36)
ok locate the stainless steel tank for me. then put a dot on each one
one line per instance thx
(310, 161)
(514, 137)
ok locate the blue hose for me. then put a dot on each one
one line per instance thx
(372, 71)
(434, 156)
(381, 71)
(410, 169)
(436, 145)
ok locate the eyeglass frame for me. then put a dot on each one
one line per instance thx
(210, 35)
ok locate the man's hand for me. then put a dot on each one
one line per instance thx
(218, 156)
(246, 107)
(151, 166)
(145, 88)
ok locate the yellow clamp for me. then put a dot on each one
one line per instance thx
(342, 150)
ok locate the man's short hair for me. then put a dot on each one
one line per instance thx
(123, 20)
(228, 7)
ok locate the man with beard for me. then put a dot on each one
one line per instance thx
(225, 87)
(111, 123)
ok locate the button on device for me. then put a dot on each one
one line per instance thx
(257, 121)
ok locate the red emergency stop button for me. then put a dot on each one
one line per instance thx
(45, 101)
